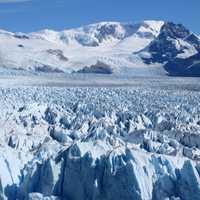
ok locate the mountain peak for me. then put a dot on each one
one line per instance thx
(173, 30)
(101, 33)
(121, 46)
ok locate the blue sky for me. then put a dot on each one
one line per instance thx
(33, 15)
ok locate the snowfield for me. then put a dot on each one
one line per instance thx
(138, 139)
(112, 43)
(147, 48)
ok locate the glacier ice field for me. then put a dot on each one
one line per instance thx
(101, 143)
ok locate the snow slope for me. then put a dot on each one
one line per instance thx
(70, 50)
(140, 49)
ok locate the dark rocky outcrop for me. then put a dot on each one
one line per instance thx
(164, 47)
(21, 36)
(184, 67)
(59, 53)
(173, 40)
(98, 68)
(47, 69)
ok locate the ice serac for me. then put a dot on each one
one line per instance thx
(138, 143)
(118, 174)
(189, 182)
(117, 146)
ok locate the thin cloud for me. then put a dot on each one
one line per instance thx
(13, 1)
(12, 8)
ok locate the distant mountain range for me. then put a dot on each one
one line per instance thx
(146, 48)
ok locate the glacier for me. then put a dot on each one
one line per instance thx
(126, 142)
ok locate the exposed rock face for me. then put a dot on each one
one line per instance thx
(46, 68)
(22, 36)
(58, 53)
(184, 66)
(177, 48)
(173, 39)
(98, 68)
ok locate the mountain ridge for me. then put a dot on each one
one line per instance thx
(122, 46)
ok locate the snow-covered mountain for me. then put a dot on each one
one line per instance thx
(136, 48)
(174, 46)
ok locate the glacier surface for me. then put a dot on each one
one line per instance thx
(138, 142)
